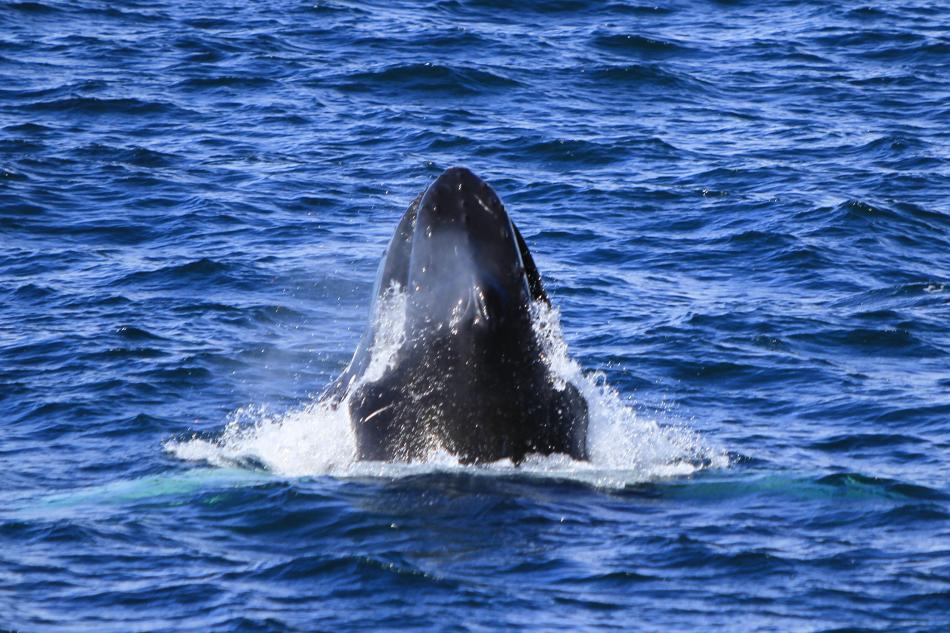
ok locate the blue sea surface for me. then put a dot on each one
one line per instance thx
(740, 209)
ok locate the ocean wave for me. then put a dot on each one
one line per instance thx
(119, 106)
(427, 77)
(635, 44)
(647, 75)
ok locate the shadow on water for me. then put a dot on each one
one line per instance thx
(471, 490)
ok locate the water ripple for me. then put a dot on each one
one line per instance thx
(740, 210)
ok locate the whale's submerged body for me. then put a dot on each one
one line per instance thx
(469, 375)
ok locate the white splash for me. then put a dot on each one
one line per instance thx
(389, 314)
(623, 446)
(317, 438)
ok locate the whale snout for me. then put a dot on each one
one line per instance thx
(459, 197)
(465, 253)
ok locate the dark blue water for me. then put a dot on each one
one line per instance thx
(740, 209)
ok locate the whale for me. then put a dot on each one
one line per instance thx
(467, 372)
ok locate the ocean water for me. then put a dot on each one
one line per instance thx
(740, 211)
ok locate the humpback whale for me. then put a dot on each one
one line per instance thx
(469, 374)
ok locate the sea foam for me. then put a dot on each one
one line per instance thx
(316, 438)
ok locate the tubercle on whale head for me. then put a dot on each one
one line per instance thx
(465, 264)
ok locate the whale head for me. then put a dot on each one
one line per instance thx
(467, 372)
(465, 267)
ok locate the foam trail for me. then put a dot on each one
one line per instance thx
(317, 439)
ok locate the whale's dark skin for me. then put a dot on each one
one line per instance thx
(470, 375)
